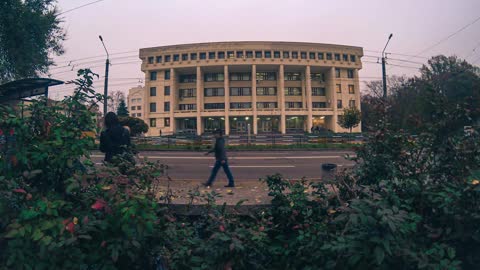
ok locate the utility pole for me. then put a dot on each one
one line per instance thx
(384, 73)
(105, 86)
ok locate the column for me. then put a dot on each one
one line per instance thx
(226, 85)
(199, 100)
(254, 99)
(309, 99)
(173, 99)
(283, 128)
(333, 97)
(357, 88)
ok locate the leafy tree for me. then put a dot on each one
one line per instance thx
(350, 118)
(29, 33)
(136, 125)
(114, 99)
(122, 109)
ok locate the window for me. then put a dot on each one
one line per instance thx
(166, 91)
(240, 91)
(221, 55)
(276, 54)
(239, 54)
(153, 76)
(266, 76)
(293, 76)
(339, 88)
(339, 104)
(312, 55)
(139, 107)
(184, 56)
(320, 56)
(249, 54)
(188, 78)
(268, 54)
(240, 105)
(187, 107)
(168, 58)
(139, 115)
(350, 73)
(329, 56)
(193, 56)
(214, 77)
(230, 54)
(317, 77)
(153, 122)
(294, 55)
(214, 106)
(293, 105)
(319, 105)
(153, 107)
(351, 103)
(337, 57)
(353, 58)
(166, 106)
(176, 57)
(351, 89)
(150, 60)
(153, 91)
(258, 54)
(286, 54)
(132, 108)
(267, 105)
(187, 93)
(303, 55)
(203, 55)
(345, 57)
(246, 76)
(159, 59)
(214, 92)
(266, 91)
(211, 55)
(166, 122)
(293, 91)
(337, 73)
(167, 74)
(318, 91)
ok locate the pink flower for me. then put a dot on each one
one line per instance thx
(70, 227)
(20, 190)
(100, 204)
(221, 228)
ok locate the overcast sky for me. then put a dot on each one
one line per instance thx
(128, 25)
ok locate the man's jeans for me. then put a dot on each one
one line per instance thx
(226, 169)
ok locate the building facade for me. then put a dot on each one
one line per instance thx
(135, 102)
(249, 87)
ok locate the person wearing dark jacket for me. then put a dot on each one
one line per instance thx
(220, 160)
(115, 140)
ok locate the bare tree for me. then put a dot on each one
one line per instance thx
(114, 99)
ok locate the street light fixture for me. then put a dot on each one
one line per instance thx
(105, 86)
(384, 75)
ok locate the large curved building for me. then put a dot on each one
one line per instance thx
(249, 87)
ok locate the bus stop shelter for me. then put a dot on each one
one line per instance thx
(20, 90)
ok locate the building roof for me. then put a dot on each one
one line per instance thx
(25, 88)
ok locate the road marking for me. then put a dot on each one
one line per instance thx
(259, 166)
(243, 158)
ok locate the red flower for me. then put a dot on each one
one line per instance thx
(70, 227)
(261, 228)
(221, 228)
(29, 197)
(99, 204)
(1, 132)
(66, 221)
(20, 190)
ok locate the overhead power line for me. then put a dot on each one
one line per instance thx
(79, 7)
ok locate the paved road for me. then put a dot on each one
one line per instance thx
(247, 165)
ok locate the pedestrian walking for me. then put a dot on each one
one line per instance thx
(220, 160)
(115, 139)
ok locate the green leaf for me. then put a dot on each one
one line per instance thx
(37, 235)
(379, 255)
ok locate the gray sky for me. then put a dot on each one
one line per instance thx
(127, 25)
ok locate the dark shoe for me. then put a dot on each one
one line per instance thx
(207, 185)
(229, 186)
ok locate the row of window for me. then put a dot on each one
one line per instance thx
(132, 108)
(246, 76)
(253, 54)
(153, 122)
(136, 100)
(136, 115)
(246, 105)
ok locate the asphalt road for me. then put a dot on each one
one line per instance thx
(247, 166)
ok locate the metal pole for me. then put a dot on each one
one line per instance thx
(105, 88)
(384, 77)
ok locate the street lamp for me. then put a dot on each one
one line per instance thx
(105, 86)
(384, 75)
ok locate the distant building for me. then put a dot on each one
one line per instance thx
(256, 87)
(135, 102)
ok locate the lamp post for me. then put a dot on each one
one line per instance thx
(105, 86)
(384, 74)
